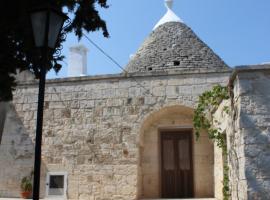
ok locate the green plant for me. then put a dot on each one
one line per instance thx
(203, 120)
(209, 102)
(26, 183)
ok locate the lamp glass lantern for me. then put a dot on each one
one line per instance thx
(47, 24)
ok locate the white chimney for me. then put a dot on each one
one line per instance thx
(77, 65)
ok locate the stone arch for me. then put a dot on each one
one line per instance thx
(175, 117)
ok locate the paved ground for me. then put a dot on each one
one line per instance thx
(141, 199)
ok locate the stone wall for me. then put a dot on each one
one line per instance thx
(92, 129)
(218, 173)
(16, 154)
(248, 133)
(3, 110)
(223, 121)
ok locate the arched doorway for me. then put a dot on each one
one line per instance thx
(167, 148)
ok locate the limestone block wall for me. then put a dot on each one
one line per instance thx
(3, 110)
(16, 153)
(203, 159)
(218, 173)
(92, 128)
(248, 133)
(252, 95)
(223, 121)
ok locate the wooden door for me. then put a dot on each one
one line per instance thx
(177, 170)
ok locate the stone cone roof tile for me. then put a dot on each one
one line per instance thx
(173, 46)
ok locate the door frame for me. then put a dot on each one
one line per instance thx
(174, 130)
(56, 173)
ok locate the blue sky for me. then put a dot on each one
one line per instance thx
(237, 30)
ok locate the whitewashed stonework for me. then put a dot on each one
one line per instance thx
(77, 61)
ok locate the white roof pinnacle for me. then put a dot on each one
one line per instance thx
(170, 16)
(169, 4)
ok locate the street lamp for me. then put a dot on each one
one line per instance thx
(47, 23)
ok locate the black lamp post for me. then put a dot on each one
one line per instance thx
(47, 24)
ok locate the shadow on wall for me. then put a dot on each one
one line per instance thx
(255, 160)
(3, 109)
(257, 153)
(16, 152)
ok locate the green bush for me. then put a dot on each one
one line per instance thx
(26, 183)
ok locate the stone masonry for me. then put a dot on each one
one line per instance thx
(247, 128)
(103, 131)
(174, 47)
(92, 129)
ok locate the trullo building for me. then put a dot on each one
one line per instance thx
(130, 136)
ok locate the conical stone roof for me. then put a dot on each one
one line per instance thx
(173, 46)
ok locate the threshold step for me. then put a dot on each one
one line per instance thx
(184, 199)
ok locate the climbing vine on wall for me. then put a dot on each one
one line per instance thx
(203, 120)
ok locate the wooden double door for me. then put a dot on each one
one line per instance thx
(176, 164)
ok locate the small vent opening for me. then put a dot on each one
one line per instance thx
(150, 68)
(176, 63)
